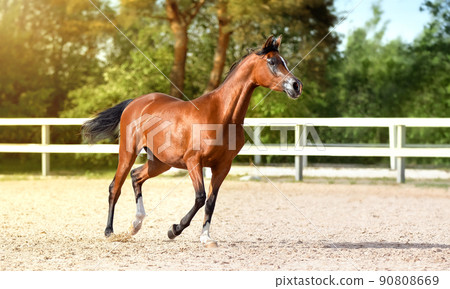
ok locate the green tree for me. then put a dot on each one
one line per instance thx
(50, 47)
(429, 80)
(372, 78)
(369, 77)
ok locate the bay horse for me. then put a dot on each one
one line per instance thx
(207, 132)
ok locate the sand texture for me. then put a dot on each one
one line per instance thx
(57, 223)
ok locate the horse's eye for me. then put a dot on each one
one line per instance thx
(270, 61)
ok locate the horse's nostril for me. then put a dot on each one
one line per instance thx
(296, 87)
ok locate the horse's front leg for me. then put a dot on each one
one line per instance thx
(196, 174)
(218, 175)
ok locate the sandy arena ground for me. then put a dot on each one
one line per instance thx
(57, 224)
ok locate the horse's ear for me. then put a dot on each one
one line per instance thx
(269, 42)
(277, 42)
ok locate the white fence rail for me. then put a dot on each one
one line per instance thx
(397, 149)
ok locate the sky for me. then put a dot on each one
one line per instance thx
(405, 19)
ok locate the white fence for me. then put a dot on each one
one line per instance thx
(396, 149)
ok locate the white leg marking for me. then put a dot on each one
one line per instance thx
(205, 239)
(140, 215)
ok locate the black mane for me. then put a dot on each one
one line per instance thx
(262, 51)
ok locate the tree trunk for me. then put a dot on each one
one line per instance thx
(178, 71)
(179, 24)
(220, 55)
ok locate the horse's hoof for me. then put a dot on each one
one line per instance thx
(171, 233)
(108, 232)
(211, 244)
(132, 230)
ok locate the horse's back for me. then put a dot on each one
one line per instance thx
(156, 99)
(154, 104)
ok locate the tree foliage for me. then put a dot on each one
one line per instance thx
(49, 47)
(371, 78)
(394, 79)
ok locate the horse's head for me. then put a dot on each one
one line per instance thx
(271, 70)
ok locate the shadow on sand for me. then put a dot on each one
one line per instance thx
(390, 245)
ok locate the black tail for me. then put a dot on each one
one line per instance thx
(105, 124)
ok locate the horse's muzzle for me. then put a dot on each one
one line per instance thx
(293, 87)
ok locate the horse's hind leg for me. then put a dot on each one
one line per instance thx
(150, 169)
(126, 161)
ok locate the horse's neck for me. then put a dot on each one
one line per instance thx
(233, 96)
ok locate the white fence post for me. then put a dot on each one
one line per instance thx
(257, 140)
(45, 138)
(400, 142)
(393, 144)
(299, 144)
(304, 142)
